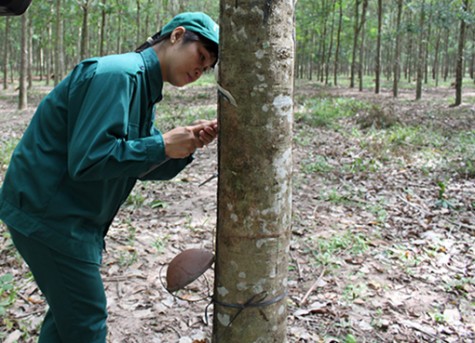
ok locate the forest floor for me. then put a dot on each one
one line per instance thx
(383, 234)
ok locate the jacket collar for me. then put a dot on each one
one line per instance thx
(154, 74)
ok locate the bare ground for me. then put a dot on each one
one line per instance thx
(375, 256)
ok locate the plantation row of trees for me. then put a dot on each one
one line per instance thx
(415, 40)
(398, 39)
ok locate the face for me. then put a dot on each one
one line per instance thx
(184, 63)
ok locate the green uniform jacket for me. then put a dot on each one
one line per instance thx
(89, 141)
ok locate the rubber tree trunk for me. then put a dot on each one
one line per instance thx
(460, 58)
(255, 163)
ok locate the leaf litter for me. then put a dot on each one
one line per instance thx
(374, 257)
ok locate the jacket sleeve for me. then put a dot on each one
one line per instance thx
(167, 170)
(98, 128)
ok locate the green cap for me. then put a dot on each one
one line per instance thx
(197, 22)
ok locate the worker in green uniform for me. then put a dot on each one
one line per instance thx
(88, 143)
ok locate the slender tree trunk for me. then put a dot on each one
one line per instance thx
(49, 55)
(254, 187)
(84, 30)
(58, 54)
(426, 44)
(6, 52)
(138, 22)
(330, 48)
(355, 45)
(103, 38)
(338, 42)
(472, 63)
(447, 55)
(378, 49)
(460, 56)
(29, 43)
(119, 28)
(323, 40)
(420, 60)
(435, 66)
(397, 53)
(23, 96)
(362, 47)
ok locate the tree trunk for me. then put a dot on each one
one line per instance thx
(435, 66)
(23, 98)
(361, 47)
(447, 57)
(378, 49)
(138, 23)
(254, 188)
(84, 30)
(6, 53)
(330, 48)
(397, 53)
(323, 40)
(119, 28)
(472, 63)
(355, 45)
(420, 59)
(29, 47)
(460, 67)
(103, 39)
(58, 53)
(338, 42)
(426, 44)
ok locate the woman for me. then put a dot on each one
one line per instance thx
(89, 141)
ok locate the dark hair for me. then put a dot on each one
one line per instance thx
(190, 36)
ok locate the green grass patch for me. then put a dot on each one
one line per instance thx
(6, 150)
(317, 164)
(324, 112)
(327, 250)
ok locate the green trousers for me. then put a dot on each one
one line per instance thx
(73, 289)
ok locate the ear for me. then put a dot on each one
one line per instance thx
(177, 34)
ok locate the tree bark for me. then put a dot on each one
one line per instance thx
(255, 160)
(446, 57)
(84, 30)
(435, 66)
(338, 42)
(397, 53)
(355, 45)
(420, 59)
(23, 99)
(378, 49)
(330, 48)
(58, 53)
(103, 39)
(361, 47)
(6, 53)
(460, 52)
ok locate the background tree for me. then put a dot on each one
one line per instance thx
(460, 55)
(378, 49)
(338, 41)
(254, 190)
(397, 50)
(355, 43)
(58, 52)
(23, 100)
(6, 50)
(420, 59)
(361, 45)
(325, 34)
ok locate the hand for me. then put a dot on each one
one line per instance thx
(206, 130)
(183, 141)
